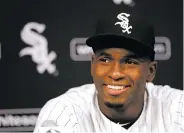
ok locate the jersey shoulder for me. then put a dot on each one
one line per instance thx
(164, 92)
(167, 103)
(76, 96)
(58, 111)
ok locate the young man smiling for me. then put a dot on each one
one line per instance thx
(120, 79)
(123, 98)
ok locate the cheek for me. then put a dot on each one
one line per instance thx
(137, 74)
(101, 71)
(138, 78)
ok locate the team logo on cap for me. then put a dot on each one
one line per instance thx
(124, 22)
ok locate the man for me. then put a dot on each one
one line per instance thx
(123, 98)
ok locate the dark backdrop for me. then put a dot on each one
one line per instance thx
(22, 86)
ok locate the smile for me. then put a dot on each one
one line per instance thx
(116, 87)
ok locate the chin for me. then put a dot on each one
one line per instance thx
(114, 105)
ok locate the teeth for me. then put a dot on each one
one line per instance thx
(115, 87)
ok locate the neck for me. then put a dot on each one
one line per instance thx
(129, 113)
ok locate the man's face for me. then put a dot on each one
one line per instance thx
(120, 76)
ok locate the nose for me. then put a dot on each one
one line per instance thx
(116, 72)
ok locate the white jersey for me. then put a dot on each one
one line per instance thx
(77, 111)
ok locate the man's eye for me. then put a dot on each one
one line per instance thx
(130, 61)
(104, 60)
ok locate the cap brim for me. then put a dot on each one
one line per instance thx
(103, 41)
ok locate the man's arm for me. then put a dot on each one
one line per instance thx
(57, 116)
(178, 113)
(182, 113)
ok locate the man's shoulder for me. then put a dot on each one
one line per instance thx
(61, 109)
(75, 95)
(83, 90)
(167, 103)
(164, 92)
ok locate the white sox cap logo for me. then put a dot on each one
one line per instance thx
(124, 22)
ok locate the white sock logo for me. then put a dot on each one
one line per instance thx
(124, 24)
(38, 47)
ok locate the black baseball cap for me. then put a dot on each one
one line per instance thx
(128, 30)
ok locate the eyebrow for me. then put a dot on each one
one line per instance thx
(134, 56)
(126, 56)
(103, 54)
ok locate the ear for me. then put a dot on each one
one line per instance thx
(92, 64)
(152, 71)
